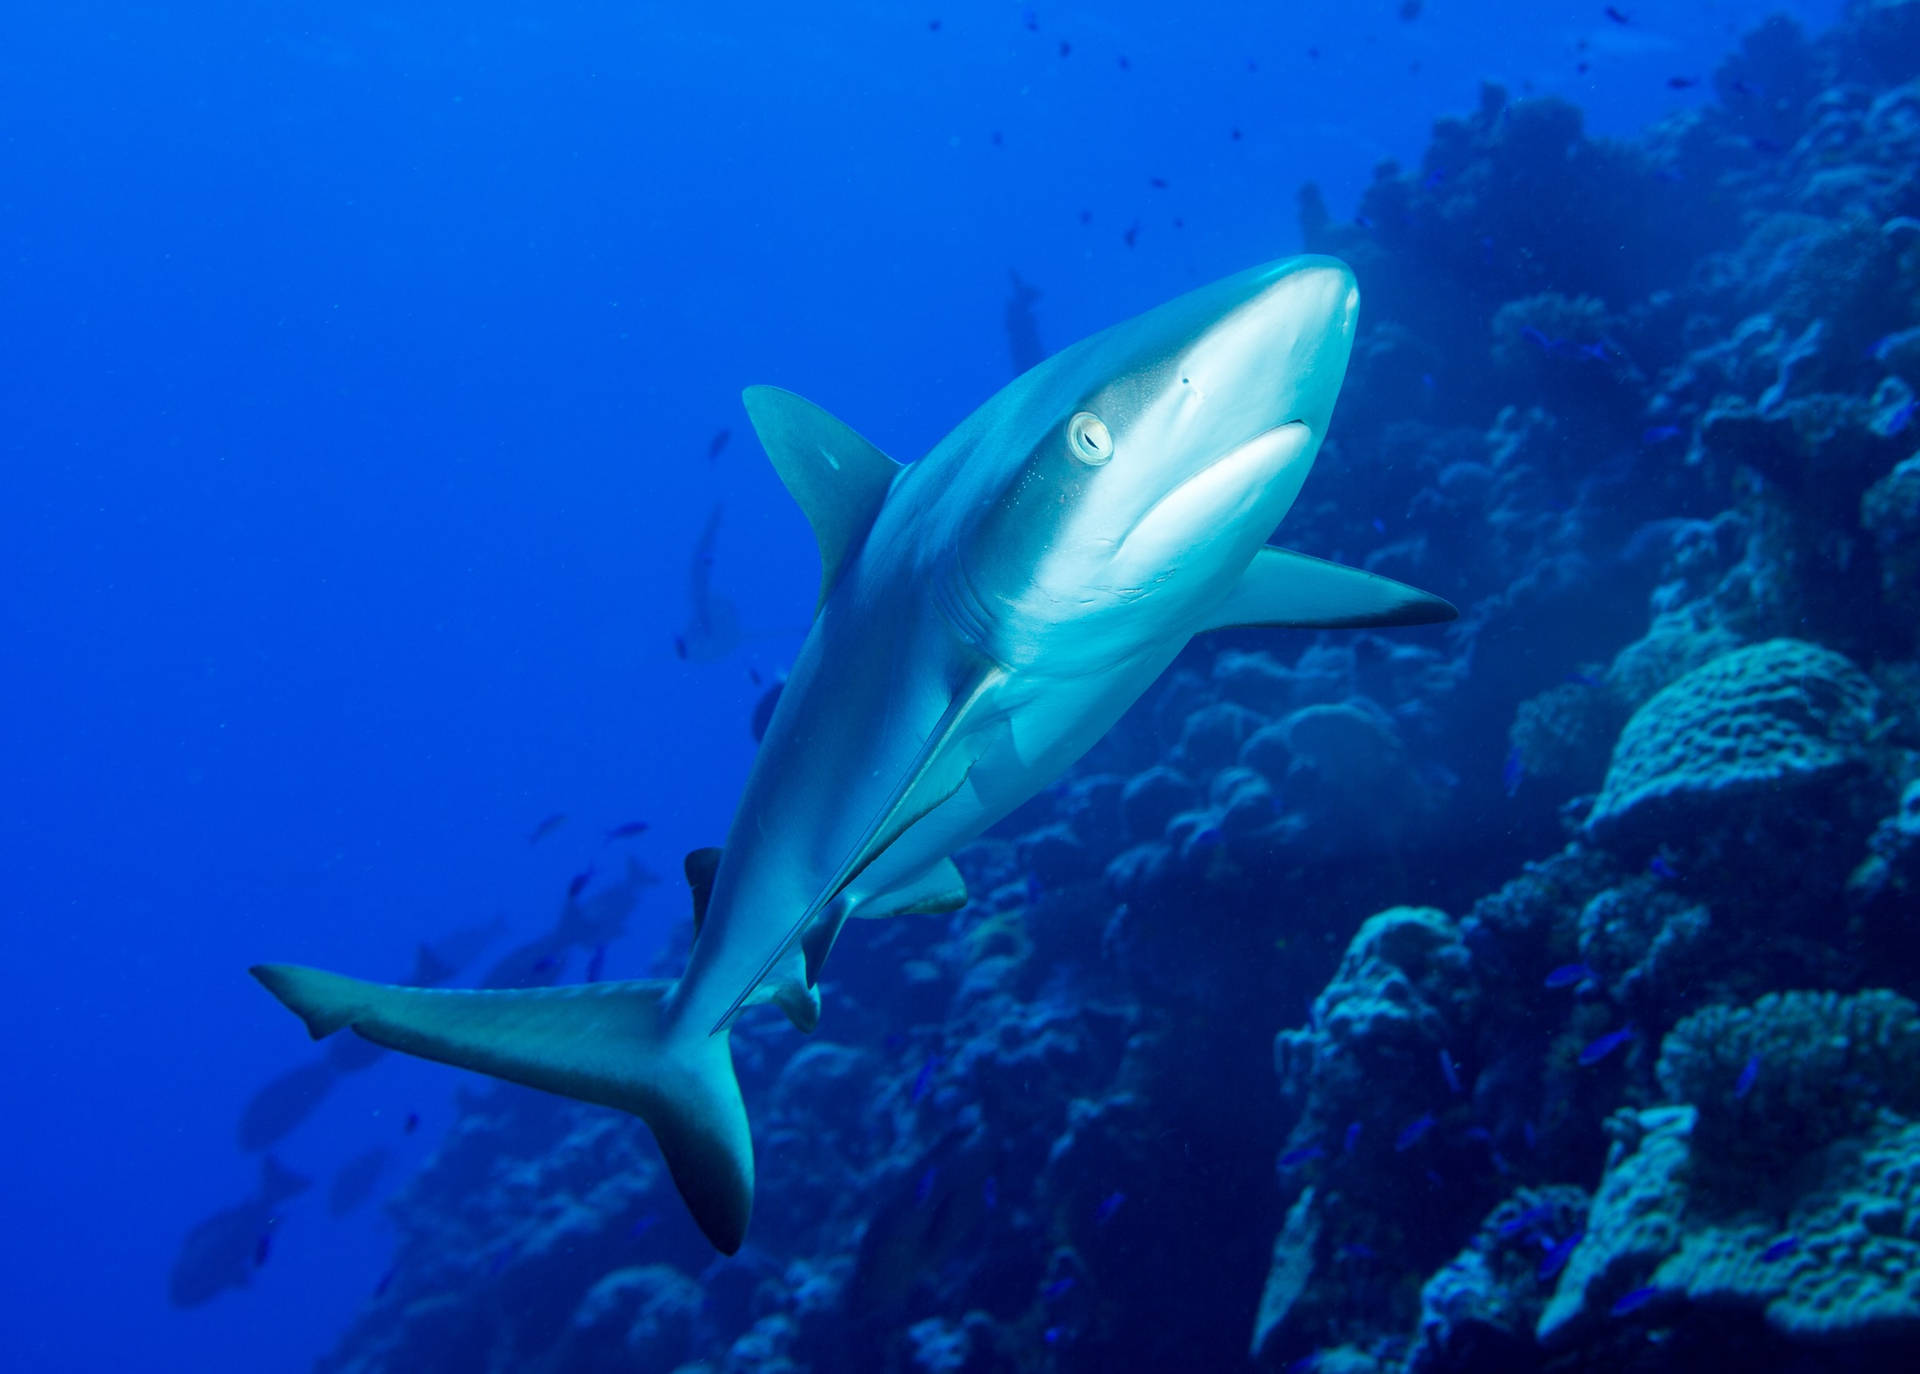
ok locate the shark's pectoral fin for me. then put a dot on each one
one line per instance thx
(604, 1043)
(1283, 588)
(839, 479)
(938, 771)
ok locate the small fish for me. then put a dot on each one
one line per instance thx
(1353, 1137)
(1030, 21)
(1364, 221)
(923, 1081)
(1780, 1249)
(1661, 869)
(1057, 1290)
(597, 964)
(1634, 1301)
(1537, 338)
(1125, 65)
(1304, 1154)
(1234, 133)
(718, 443)
(1568, 974)
(1680, 83)
(546, 964)
(1415, 1132)
(1898, 421)
(1131, 236)
(627, 831)
(386, 1281)
(933, 26)
(924, 1188)
(1433, 179)
(1526, 1220)
(578, 884)
(262, 1248)
(547, 827)
(1514, 771)
(1450, 1072)
(1379, 525)
(1052, 1335)
(1584, 680)
(1615, 15)
(1357, 1251)
(1749, 1075)
(412, 1124)
(990, 1193)
(1659, 434)
(1605, 1046)
(1066, 48)
(1108, 1206)
(1556, 1257)
(1409, 11)
(680, 647)
(1158, 183)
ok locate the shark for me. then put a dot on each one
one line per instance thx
(985, 614)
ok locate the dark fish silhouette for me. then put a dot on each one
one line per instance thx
(718, 443)
(1023, 333)
(627, 831)
(224, 1249)
(547, 827)
(712, 630)
(353, 1183)
(285, 1102)
(578, 883)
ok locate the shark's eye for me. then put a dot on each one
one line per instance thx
(1092, 442)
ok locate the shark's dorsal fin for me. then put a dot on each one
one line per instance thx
(1283, 588)
(839, 479)
(700, 865)
(918, 792)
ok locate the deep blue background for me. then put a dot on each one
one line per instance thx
(357, 370)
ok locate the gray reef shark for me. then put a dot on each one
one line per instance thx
(985, 615)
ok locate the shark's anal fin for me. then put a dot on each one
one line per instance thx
(1283, 588)
(700, 865)
(838, 478)
(921, 788)
(603, 1042)
(939, 889)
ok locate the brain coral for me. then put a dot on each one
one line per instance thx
(1753, 728)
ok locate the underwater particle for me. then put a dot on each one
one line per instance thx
(597, 964)
(1780, 1249)
(1415, 1132)
(547, 827)
(1556, 1257)
(1108, 1206)
(1749, 1075)
(579, 882)
(1605, 1045)
(1634, 1301)
(718, 442)
(1304, 1154)
(1567, 975)
(1450, 1073)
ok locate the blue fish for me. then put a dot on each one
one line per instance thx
(1605, 1046)
(1057, 1290)
(1353, 1136)
(1305, 1154)
(1556, 1257)
(1108, 1206)
(1780, 1249)
(1568, 974)
(1659, 434)
(1584, 679)
(1357, 1251)
(386, 1281)
(1527, 1220)
(1634, 1301)
(1415, 1132)
(1450, 1073)
(1379, 525)
(1052, 1335)
(924, 1080)
(1748, 1077)
(1899, 420)
(1661, 869)
(1536, 338)
(1513, 770)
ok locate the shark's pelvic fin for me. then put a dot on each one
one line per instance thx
(930, 780)
(839, 479)
(700, 865)
(939, 889)
(602, 1043)
(1283, 588)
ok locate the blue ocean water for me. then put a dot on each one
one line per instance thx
(365, 379)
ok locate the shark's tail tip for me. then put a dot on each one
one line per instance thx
(323, 1000)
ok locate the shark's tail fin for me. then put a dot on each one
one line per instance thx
(603, 1042)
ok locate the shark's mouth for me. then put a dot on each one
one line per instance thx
(1230, 487)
